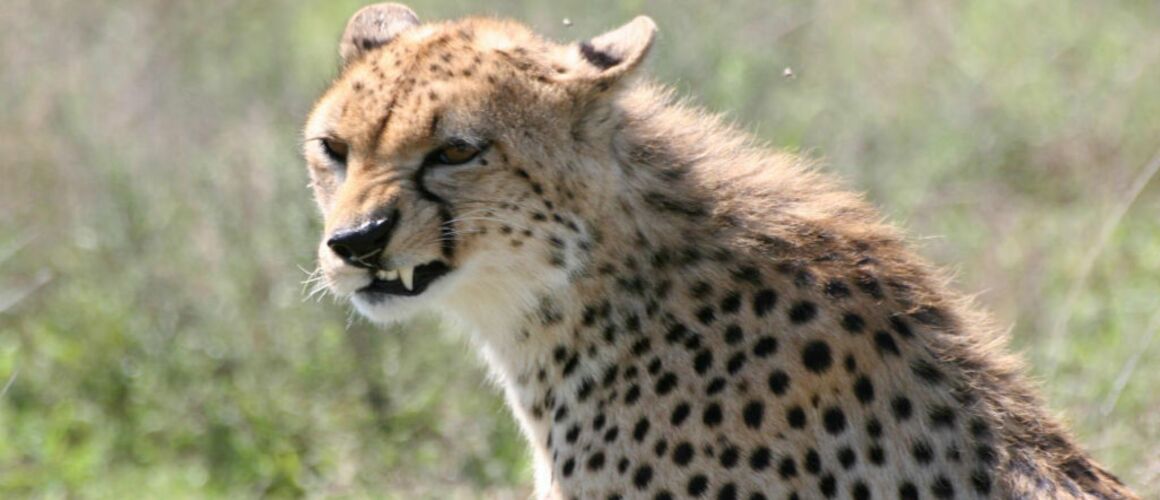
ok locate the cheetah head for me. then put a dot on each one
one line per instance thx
(460, 163)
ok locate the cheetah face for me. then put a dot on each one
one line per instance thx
(440, 156)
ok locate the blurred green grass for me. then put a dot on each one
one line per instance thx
(154, 224)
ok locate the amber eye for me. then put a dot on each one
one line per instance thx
(456, 154)
(335, 150)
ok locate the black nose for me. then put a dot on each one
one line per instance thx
(359, 246)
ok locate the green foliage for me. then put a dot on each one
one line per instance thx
(154, 222)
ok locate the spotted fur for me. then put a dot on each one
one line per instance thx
(672, 310)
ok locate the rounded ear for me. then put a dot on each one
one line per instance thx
(373, 26)
(604, 59)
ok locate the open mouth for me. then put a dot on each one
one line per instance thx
(407, 281)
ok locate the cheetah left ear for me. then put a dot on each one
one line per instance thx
(373, 26)
(605, 59)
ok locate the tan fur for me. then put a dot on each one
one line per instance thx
(621, 257)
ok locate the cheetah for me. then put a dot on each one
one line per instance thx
(671, 309)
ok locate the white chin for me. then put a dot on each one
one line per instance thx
(388, 310)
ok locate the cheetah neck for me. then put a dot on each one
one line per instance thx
(727, 273)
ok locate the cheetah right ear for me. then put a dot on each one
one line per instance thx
(373, 26)
(607, 58)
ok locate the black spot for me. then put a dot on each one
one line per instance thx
(706, 315)
(641, 347)
(847, 457)
(907, 491)
(859, 491)
(654, 366)
(778, 382)
(697, 485)
(836, 289)
(900, 326)
(560, 353)
(661, 447)
(981, 481)
(731, 303)
(765, 346)
(885, 343)
(869, 285)
(632, 394)
(851, 364)
(813, 462)
(787, 468)
(926, 371)
(853, 323)
(663, 495)
(680, 413)
(611, 434)
(733, 334)
(796, 417)
(834, 420)
(901, 408)
(803, 312)
(610, 376)
(570, 367)
(877, 455)
(922, 452)
(640, 430)
(727, 492)
(596, 461)
(874, 427)
(703, 361)
(736, 362)
(748, 274)
(573, 434)
(828, 485)
(930, 316)
(753, 413)
(764, 301)
(864, 389)
(942, 488)
(715, 386)
(676, 333)
(683, 454)
(585, 389)
(942, 417)
(729, 457)
(759, 459)
(986, 454)
(701, 290)
(642, 477)
(979, 429)
(666, 384)
(712, 416)
(816, 356)
(568, 466)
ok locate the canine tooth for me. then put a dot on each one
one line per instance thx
(391, 275)
(407, 274)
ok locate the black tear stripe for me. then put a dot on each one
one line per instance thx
(446, 225)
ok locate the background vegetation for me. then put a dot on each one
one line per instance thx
(154, 226)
